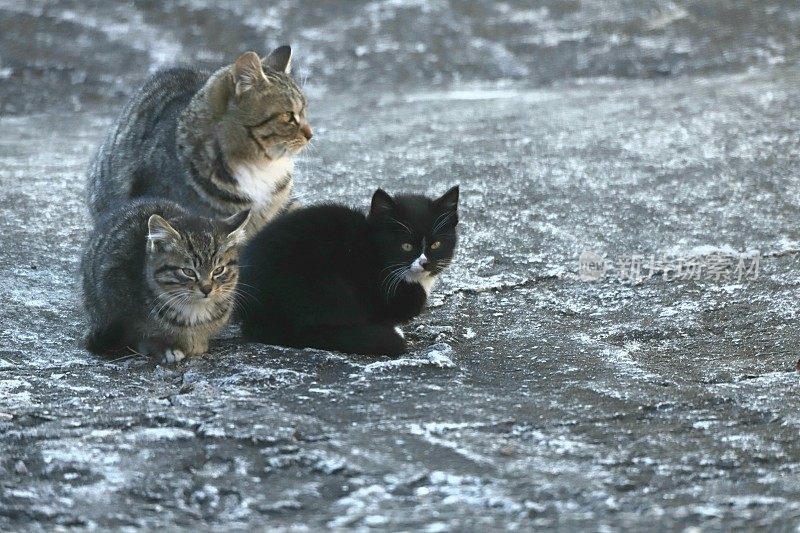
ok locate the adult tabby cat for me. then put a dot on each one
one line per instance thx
(214, 144)
(160, 280)
(329, 277)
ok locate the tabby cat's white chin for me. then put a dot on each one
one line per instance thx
(258, 181)
(198, 311)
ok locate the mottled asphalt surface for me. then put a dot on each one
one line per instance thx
(532, 398)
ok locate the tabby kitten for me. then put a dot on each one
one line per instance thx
(214, 144)
(160, 280)
(329, 277)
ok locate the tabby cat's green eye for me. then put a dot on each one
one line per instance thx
(219, 270)
(436, 245)
(407, 246)
(188, 272)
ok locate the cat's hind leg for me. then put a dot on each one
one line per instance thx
(369, 339)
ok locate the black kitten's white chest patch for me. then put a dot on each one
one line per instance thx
(423, 278)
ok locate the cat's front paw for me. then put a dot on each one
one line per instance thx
(162, 350)
(172, 355)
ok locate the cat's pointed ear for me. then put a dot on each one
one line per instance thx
(247, 72)
(236, 226)
(160, 233)
(382, 203)
(280, 59)
(449, 200)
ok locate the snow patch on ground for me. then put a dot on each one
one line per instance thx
(15, 393)
(374, 505)
(433, 433)
(709, 249)
(159, 434)
(619, 358)
(438, 355)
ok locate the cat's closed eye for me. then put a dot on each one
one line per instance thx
(407, 246)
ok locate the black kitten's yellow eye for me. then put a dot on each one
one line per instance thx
(219, 270)
(436, 245)
(407, 246)
(188, 272)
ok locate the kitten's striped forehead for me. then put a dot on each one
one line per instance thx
(201, 244)
(201, 239)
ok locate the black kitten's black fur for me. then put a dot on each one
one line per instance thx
(329, 277)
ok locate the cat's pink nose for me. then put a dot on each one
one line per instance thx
(307, 133)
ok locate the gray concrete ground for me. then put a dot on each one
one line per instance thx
(533, 398)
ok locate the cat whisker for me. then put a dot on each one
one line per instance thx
(397, 267)
(231, 297)
(169, 299)
(393, 265)
(237, 291)
(180, 302)
(397, 221)
(438, 219)
(397, 281)
(441, 224)
(241, 293)
(387, 281)
(393, 280)
(241, 284)
(240, 308)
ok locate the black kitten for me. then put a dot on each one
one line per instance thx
(328, 277)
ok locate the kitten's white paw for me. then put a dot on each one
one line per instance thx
(173, 355)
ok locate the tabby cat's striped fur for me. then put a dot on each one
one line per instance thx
(216, 145)
(159, 280)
